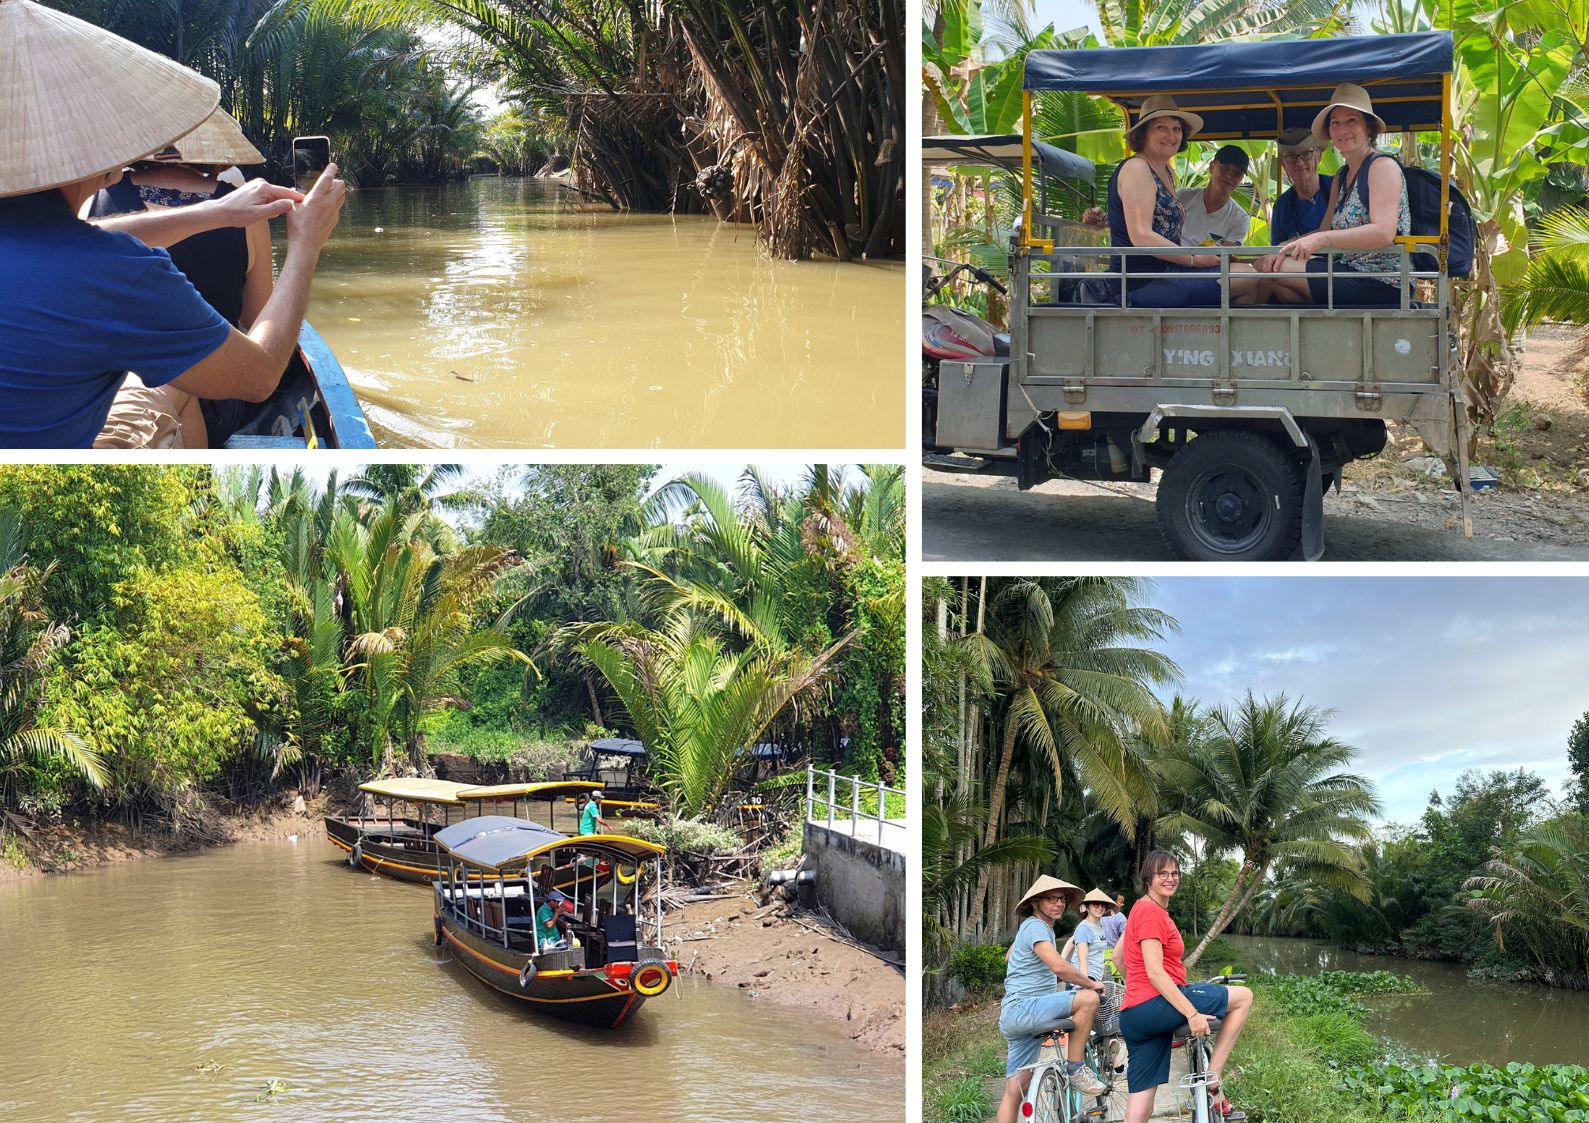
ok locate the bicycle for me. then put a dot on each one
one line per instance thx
(1050, 1097)
(1199, 1080)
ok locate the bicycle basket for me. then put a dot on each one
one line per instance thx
(1107, 1023)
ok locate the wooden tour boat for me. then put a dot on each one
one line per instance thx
(496, 873)
(404, 848)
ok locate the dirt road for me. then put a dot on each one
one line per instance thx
(986, 519)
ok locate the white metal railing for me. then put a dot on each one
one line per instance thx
(814, 797)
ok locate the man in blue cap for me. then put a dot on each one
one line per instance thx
(550, 926)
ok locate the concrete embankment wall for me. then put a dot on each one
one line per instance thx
(861, 884)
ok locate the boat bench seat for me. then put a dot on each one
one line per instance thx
(261, 440)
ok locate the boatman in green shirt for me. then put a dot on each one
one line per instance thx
(549, 922)
(590, 820)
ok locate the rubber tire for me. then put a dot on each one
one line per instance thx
(1048, 1104)
(1113, 1103)
(1252, 464)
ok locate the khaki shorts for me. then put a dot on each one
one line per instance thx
(141, 417)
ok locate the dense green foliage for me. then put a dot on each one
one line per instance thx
(979, 968)
(170, 638)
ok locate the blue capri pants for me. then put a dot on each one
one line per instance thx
(1148, 1028)
(1021, 1020)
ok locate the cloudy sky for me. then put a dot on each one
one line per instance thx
(1426, 676)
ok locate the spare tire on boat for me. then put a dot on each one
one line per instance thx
(650, 977)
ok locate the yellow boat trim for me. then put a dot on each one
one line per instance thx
(621, 843)
(367, 857)
(412, 789)
(550, 789)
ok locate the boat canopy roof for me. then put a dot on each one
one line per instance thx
(1257, 89)
(497, 842)
(619, 746)
(1003, 150)
(611, 845)
(549, 790)
(413, 789)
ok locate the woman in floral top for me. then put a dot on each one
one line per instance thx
(1367, 211)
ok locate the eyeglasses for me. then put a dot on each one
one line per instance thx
(1169, 875)
(1299, 158)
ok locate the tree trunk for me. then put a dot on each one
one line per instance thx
(1248, 878)
(1487, 358)
(595, 703)
(995, 815)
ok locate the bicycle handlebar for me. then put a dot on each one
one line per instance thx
(982, 275)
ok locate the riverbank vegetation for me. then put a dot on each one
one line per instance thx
(787, 117)
(182, 641)
(1522, 125)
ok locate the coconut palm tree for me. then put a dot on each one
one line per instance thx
(1073, 688)
(1262, 778)
(28, 643)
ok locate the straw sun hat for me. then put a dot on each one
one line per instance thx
(1099, 897)
(1045, 884)
(1161, 106)
(77, 101)
(1346, 96)
(219, 140)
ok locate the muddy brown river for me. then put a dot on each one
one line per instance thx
(1461, 1020)
(180, 989)
(505, 314)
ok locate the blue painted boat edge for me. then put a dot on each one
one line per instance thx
(349, 427)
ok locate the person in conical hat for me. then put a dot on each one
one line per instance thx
(1032, 1003)
(81, 305)
(1087, 945)
(230, 266)
(1367, 210)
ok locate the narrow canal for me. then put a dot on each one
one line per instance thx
(500, 313)
(179, 989)
(1461, 1020)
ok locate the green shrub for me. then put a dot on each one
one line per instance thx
(1332, 991)
(977, 967)
(962, 1101)
(13, 853)
(533, 760)
(683, 836)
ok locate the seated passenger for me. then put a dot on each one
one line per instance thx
(551, 922)
(1212, 217)
(81, 305)
(1300, 209)
(230, 266)
(1143, 212)
(1364, 217)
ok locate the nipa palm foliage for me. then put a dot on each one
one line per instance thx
(1261, 778)
(1536, 892)
(28, 642)
(786, 115)
(696, 703)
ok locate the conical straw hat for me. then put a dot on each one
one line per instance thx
(219, 140)
(1099, 897)
(1046, 884)
(77, 101)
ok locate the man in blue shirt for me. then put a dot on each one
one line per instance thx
(1300, 208)
(80, 304)
(590, 820)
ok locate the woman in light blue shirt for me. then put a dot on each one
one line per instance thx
(1089, 941)
(1032, 1001)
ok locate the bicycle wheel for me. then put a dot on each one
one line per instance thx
(1104, 1059)
(1049, 1101)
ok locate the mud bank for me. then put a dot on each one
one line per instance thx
(791, 957)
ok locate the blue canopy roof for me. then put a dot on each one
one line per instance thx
(619, 746)
(1258, 89)
(493, 841)
(1004, 150)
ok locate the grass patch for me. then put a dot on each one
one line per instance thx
(961, 1050)
(13, 853)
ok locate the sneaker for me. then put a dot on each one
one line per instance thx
(1116, 1052)
(1087, 1083)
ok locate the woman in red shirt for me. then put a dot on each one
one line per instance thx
(1157, 1001)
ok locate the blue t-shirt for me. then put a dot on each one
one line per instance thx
(80, 307)
(1025, 975)
(1113, 925)
(1292, 217)
(1092, 935)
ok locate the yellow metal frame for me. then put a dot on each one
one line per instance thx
(1442, 242)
